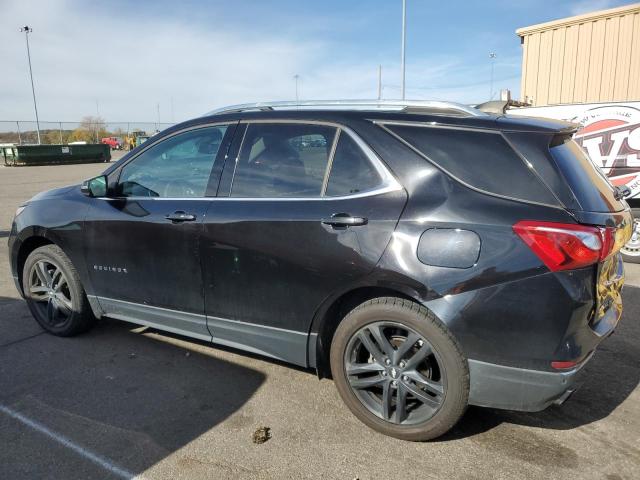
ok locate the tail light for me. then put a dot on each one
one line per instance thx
(566, 246)
(563, 365)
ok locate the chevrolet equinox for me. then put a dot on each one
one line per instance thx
(424, 255)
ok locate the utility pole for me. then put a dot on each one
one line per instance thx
(158, 108)
(27, 30)
(492, 56)
(379, 82)
(296, 77)
(404, 39)
(96, 121)
(172, 119)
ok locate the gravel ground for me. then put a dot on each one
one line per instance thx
(123, 402)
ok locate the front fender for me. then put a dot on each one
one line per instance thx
(58, 220)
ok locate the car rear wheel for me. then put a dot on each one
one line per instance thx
(399, 369)
(54, 293)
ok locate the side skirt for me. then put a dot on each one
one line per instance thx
(279, 343)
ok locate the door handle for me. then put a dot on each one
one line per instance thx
(180, 216)
(344, 220)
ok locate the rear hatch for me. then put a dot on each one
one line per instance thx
(599, 204)
(586, 193)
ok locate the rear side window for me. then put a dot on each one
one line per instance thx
(591, 188)
(351, 170)
(483, 160)
(282, 160)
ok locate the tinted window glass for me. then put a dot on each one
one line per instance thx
(177, 167)
(483, 160)
(588, 183)
(282, 160)
(351, 171)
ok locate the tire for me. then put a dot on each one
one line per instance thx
(631, 251)
(446, 368)
(59, 306)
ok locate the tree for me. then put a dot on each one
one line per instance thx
(90, 130)
(51, 137)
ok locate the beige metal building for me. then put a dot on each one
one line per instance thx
(587, 58)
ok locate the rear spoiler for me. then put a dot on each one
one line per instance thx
(501, 109)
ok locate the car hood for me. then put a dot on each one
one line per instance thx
(55, 193)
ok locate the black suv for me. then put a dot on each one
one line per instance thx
(424, 255)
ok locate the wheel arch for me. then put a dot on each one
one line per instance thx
(28, 245)
(333, 310)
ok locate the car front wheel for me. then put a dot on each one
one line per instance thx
(54, 293)
(399, 370)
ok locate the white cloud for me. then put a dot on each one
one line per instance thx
(588, 6)
(82, 54)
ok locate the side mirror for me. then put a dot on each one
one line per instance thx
(95, 187)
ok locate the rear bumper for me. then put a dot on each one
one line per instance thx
(509, 388)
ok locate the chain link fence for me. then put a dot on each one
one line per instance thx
(87, 130)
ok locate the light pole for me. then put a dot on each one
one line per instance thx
(95, 124)
(27, 30)
(404, 38)
(296, 77)
(492, 56)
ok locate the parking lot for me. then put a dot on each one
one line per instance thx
(123, 401)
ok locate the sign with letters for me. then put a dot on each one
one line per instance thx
(610, 134)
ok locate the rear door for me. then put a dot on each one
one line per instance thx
(304, 210)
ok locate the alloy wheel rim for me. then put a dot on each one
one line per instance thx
(395, 373)
(632, 247)
(49, 289)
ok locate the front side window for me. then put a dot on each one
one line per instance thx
(282, 160)
(178, 167)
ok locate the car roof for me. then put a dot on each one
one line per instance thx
(432, 112)
(491, 122)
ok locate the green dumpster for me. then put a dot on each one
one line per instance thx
(8, 154)
(59, 154)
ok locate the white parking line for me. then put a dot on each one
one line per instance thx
(97, 459)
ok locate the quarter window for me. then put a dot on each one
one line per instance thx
(481, 159)
(178, 167)
(351, 170)
(282, 160)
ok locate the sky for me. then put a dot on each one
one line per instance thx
(123, 60)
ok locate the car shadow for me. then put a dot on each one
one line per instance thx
(609, 378)
(4, 233)
(122, 394)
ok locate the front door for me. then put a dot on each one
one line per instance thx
(144, 256)
(308, 212)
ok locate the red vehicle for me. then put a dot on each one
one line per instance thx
(114, 142)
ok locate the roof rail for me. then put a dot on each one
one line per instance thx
(434, 107)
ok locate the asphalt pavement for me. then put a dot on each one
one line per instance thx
(127, 402)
